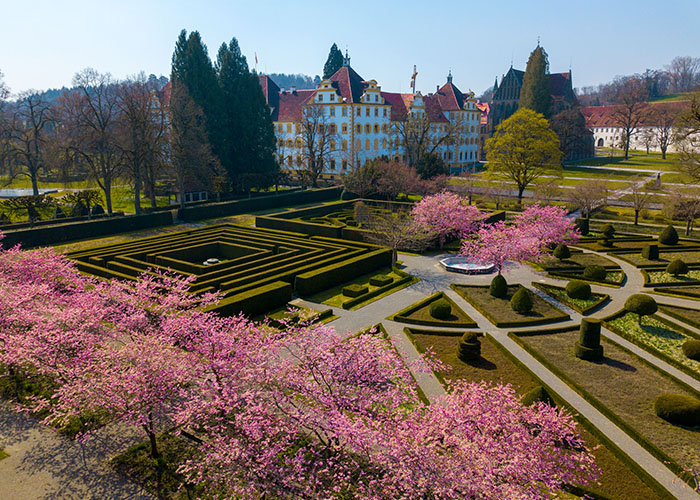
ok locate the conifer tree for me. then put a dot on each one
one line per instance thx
(535, 93)
(333, 63)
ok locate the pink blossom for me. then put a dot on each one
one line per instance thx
(447, 215)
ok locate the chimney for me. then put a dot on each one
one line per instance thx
(437, 88)
(293, 89)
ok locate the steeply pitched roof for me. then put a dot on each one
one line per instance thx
(433, 109)
(350, 85)
(559, 84)
(290, 105)
(604, 116)
(450, 97)
(270, 90)
(400, 104)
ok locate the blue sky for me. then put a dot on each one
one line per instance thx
(46, 45)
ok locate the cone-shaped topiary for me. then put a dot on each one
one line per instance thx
(521, 302)
(651, 251)
(691, 348)
(440, 309)
(677, 267)
(678, 409)
(499, 287)
(562, 252)
(537, 395)
(668, 236)
(595, 272)
(577, 289)
(97, 210)
(588, 346)
(641, 304)
(469, 347)
(583, 226)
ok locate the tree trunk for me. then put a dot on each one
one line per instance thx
(35, 185)
(108, 195)
(636, 216)
(152, 441)
(137, 189)
(688, 225)
(521, 189)
(627, 149)
(663, 153)
(394, 256)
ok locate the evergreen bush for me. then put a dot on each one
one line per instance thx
(537, 395)
(583, 226)
(691, 348)
(521, 302)
(588, 346)
(608, 231)
(499, 287)
(469, 347)
(677, 267)
(355, 290)
(668, 236)
(651, 251)
(440, 309)
(595, 272)
(97, 210)
(678, 409)
(577, 289)
(562, 252)
(641, 304)
(381, 280)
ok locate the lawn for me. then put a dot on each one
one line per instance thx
(419, 314)
(613, 278)
(684, 314)
(689, 257)
(577, 260)
(616, 479)
(690, 292)
(499, 312)
(584, 306)
(633, 405)
(657, 336)
(637, 161)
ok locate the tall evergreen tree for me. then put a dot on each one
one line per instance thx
(535, 93)
(333, 63)
(247, 154)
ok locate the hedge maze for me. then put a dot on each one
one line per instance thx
(255, 269)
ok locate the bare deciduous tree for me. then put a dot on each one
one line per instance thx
(663, 120)
(683, 72)
(683, 204)
(687, 136)
(418, 136)
(397, 231)
(318, 141)
(589, 196)
(639, 197)
(629, 112)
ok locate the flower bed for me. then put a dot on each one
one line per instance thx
(655, 277)
(584, 306)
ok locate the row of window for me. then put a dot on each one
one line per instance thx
(395, 144)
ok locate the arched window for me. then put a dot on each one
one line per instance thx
(332, 129)
(298, 143)
(289, 161)
(344, 128)
(358, 145)
(385, 128)
(367, 144)
(289, 128)
(344, 145)
(289, 143)
(332, 144)
(299, 162)
(368, 128)
(376, 144)
(359, 129)
(376, 128)
(384, 143)
(280, 143)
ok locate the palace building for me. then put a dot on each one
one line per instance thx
(359, 121)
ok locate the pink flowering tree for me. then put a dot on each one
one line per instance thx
(497, 243)
(447, 215)
(549, 224)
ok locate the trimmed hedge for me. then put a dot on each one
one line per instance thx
(547, 288)
(641, 305)
(256, 301)
(402, 315)
(236, 207)
(469, 347)
(104, 226)
(381, 280)
(677, 267)
(651, 251)
(307, 284)
(537, 395)
(562, 252)
(355, 290)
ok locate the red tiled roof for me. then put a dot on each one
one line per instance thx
(433, 109)
(604, 116)
(350, 85)
(290, 104)
(450, 97)
(400, 104)
(485, 109)
(164, 95)
(559, 84)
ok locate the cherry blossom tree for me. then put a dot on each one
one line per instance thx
(549, 224)
(497, 243)
(448, 215)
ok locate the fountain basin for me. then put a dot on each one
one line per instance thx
(466, 266)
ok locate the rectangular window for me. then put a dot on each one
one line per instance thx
(359, 111)
(384, 112)
(345, 164)
(332, 163)
(376, 111)
(332, 111)
(367, 111)
(320, 98)
(289, 128)
(345, 111)
(332, 97)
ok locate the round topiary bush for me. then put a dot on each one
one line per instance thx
(469, 347)
(677, 267)
(641, 304)
(651, 252)
(577, 289)
(499, 287)
(537, 395)
(691, 348)
(608, 231)
(562, 252)
(678, 409)
(595, 272)
(668, 236)
(440, 309)
(521, 302)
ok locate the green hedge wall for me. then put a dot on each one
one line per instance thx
(256, 301)
(226, 208)
(307, 284)
(52, 235)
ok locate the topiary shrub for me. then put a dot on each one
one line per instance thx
(678, 409)
(562, 252)
(537, 395)
(668, 236)
(641, 304)
(595, 272)
(440, 309)
(499, 287)
(355, 290)
(691, 348)
(381, 280)
(583, 226)
(97, 210)
(58, 213)
(469, 347)
(347, 195)
(651, 252)
(677, 267)
(577, 289)
(521, 302)
(588, 345)
(608, 231)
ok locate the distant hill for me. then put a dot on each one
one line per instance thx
(298, 81)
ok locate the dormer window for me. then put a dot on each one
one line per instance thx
(320, 97)
(332, 97)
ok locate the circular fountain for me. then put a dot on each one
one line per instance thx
(212, 261)
(466, 266)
